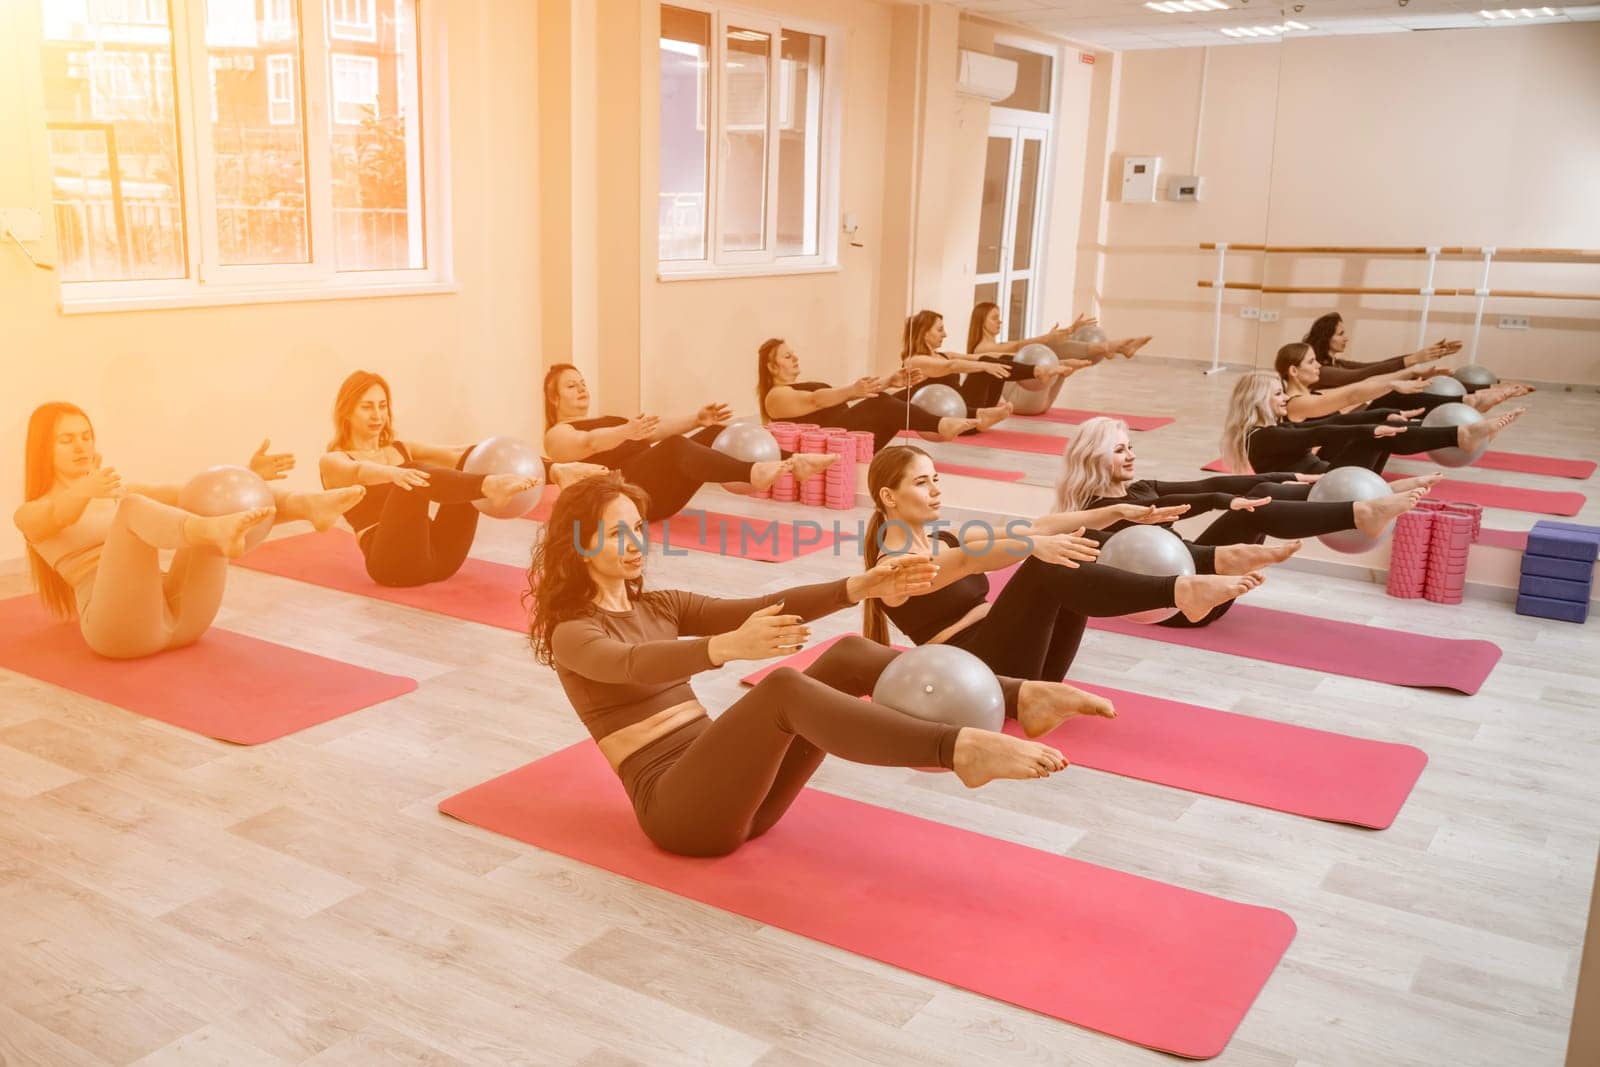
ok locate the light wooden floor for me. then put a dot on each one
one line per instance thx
(170, 899)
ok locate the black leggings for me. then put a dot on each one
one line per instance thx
(673, 469)
(708, 788)
(407, 547)
(1035, 625)
(1411, 401)
(1374, 452)
(984, 390)
(885, 415)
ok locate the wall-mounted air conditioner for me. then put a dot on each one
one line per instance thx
(986, 76)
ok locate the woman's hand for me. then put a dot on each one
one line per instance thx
(1438, 350)
(1405, 416)
(102, 483)
(1149, 514)
(1067, 549)
(1381, 431)
(995, 370)
(1247, 503)
(270, 466)
(1409, 386)
(1308, 479)
(407, 478)
(712, 414)
(640, 427)
(863, 387)
(1082, 322)
(764, 635)
(894, 576)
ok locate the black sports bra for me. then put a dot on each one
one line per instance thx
(370, 507)
(922, 617)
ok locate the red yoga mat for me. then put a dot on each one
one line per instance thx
(1524, 463)
(1007, 440)
(1454, 490)
(490, 593)
(1076, 416)
(1315, 773)
(226, 685)
(760, 539)
(1147, 962)
(986, 473)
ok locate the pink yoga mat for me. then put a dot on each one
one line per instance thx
(1510, 497)
(226, 685)
(1075, 416)
(1516, 540)
(763, 540)
(1007, 440)
(1147, 962)
(1321, 775)
(1524, 463)
(986, 473)
(490, 593)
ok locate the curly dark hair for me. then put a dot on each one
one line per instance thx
(1321, 333)
(559, 585)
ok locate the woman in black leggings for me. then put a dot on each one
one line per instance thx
(1403, 390)
(1329, 341)
(1257, 436)
(703, 787)
(1097, 469)
(1034, 627)
(783, 397)
(669, 458)
(402, 545)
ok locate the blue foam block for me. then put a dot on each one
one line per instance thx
(1591, 532)
(1572, 570)
(1545, 608)
(1554, 588)
(1568, 544)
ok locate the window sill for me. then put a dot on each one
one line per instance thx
(223, 297)
(703, 274)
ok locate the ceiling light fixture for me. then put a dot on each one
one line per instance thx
(1264, 31)
(1506, 14)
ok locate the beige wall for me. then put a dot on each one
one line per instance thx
(171, 391)
(1453, 137)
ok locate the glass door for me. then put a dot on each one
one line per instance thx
(1008, 225)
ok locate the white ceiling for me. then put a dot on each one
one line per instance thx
(1120, 25)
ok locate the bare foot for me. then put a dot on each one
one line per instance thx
(1128, 346)
(1479, 434)
(1421, 481)
(225, 533)
(498, 489)
(763, 474)
(1374, 516)
(981, 756)
(567, 474)
(988, 417)
(1042, 706)
(322, 510)
(1197, 594)
(951, 427)
(807, 464)
(1242, 559)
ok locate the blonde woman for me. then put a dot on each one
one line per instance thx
(94, 543)
(1034, 627)
(1257, 434)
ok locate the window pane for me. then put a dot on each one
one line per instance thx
(799, 143)
(1033, 79)
(992, 210)
(1027, 203)
(743, 208)
(1017, 315)
(115, 173)
(257, 134)
(685, 147)
(987, 293)
(375, 121)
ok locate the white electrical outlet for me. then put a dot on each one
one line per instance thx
(1515, 322)
(1249, 313)
(1268, 316)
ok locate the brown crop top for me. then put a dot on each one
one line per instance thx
(620, 667)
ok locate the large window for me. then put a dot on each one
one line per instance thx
(301, 167)
(748, 171)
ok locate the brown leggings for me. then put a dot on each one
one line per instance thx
(708, 788)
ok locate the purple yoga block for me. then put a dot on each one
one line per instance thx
(1545, 608)
(1554, 588)
(1568, 544)
(1571, 570)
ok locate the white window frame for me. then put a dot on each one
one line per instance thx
(281, 66)
(207, 283)
(367, 66)
(828, 111)
(277, 20)
(1047, 123)
(364, 27)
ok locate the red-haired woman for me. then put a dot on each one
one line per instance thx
(94, 543)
